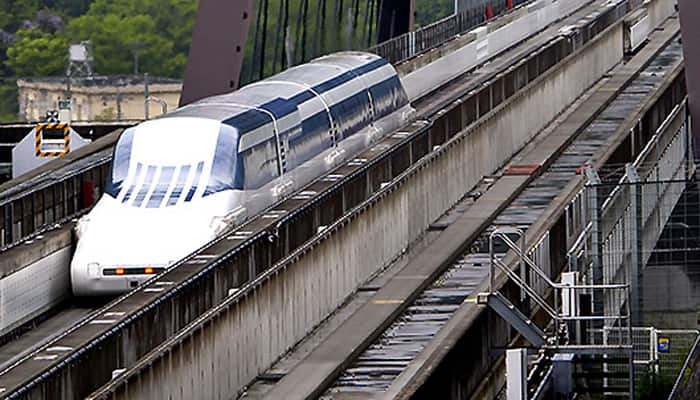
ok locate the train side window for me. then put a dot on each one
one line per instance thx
(259, 164)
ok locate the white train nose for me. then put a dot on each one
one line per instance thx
(122, 246)
(86, 284)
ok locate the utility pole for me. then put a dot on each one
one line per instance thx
(135, 50)
(146, 95)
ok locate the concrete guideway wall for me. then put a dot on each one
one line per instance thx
(34, 279)
(49, 280)
(456, 360)
(659, 11)
(226, 348)
(484, 45)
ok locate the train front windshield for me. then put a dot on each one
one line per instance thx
(155, 167)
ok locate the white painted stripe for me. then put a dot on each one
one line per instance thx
(152, 187)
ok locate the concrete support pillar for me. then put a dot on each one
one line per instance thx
(516, 374)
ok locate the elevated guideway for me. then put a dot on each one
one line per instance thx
(62, 203)
(178, 366)
(379, 351)
(247, 252)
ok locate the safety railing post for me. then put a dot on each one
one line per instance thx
(523, 272)
(635, 231)
(592, 188)
(492, 267)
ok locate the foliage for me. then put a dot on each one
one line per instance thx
(37, 53)
(13, 13)
(117, 39)
(70, 8)
(429, 11)
(157, 32)
(35, 34)
(8, 100)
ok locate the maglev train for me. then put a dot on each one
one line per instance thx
(180, 180)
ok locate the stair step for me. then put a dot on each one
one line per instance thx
(600, 360)
(609, 389)
(595, 374)
(522, 323)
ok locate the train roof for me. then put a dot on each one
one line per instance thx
(279, 95)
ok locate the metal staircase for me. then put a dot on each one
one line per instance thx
(591, 357)
(506, 310)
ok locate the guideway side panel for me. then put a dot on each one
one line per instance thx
(368, 373)
(432, 372)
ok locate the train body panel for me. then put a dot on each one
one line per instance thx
(178, 180)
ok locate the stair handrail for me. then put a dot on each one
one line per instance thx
(535, 296)
(524, 259)
(544, 276)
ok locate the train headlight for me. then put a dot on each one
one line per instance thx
(93, 269)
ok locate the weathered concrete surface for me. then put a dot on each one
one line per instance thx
(452, 364)
(20, 257)
(424, 73)
(35, 277)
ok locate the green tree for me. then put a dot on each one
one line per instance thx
(71, 8)
(157, 31)
(14, 12)
(429, 11)
(37, 53)
(8, 100)
(117, 39)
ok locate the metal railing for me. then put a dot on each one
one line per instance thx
(430, 36)
(561, 293)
